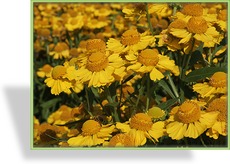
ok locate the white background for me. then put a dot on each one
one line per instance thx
(15, 106)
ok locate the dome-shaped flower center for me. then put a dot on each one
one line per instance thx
(95, 45)
(46, 68)
(73, 52)
(74, 21)
(97, 61)
(222, 15)
(192, 10)
(58, 71)
(189, 112)
(197, 25)
(156, 112)
(221, 106)
(218, 79)
(61, 46)
(148, 57)
(141, 121)
(90, 127)
(121, 140)
(45, 32)
(178, 23)
(130, 37)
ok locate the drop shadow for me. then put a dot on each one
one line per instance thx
(21, 115)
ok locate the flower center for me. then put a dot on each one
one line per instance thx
(73, 52)
(58, 71)
(122, 139)
(178, 23)
(61, 46)
(97, 61)
(46, 68)
(218, 79)
(189, 112)
(74, 21)
(95, 45)
(223, 15)
(141, 121)
(130, 37)
(149, 57)
(221, 106)
(197, 25)
(90, 127)
(156, 112)
(192, 10)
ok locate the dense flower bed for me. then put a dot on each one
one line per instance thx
(130, 74)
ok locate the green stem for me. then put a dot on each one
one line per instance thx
(88, 105)
(187, 60)
(173, 88)
(114, 112)
(148, 19)
(148, 93)
(202, 141)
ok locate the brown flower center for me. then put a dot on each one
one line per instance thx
(178, 23)
(130, 37)
(61, 46)
(90, 127)
(148, 57)
(221, 106)
(197, 25)
(122, 139)
(97, 61)
(192, 10)
(58, 71)
(73, 52)
(95, 45)
(46, 68)
(141, 121)
(218, 79)
(189, 112)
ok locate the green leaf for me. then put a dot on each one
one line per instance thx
(203, 73)
(165, 86)
(50, 103)
(168, 104)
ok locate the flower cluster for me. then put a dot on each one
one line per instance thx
(130, 74)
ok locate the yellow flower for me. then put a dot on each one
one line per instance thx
(140, 127)
(48, 134)
(222, 20)
(97, 23)
(156, 113)
(44, 71)
(100, 69)
(57, 82)
(220, 126)
(74, 23)
(121, 140)
(162, 10)
(131, 40)
(65, 114)
(92, 134)
(187, 120)
(134, 10)
(199, 29)
(195, 10)
(149, 60)
(59, 51)
(217, 85)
